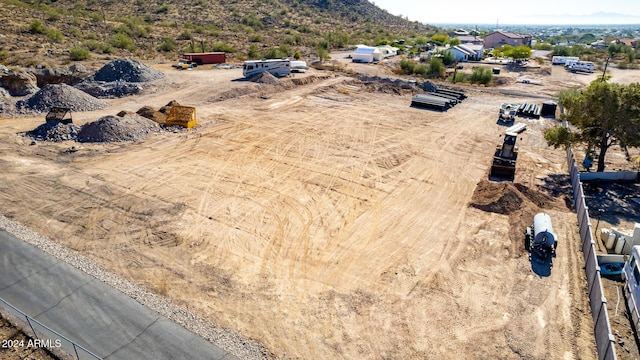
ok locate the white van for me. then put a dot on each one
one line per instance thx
(277, 67)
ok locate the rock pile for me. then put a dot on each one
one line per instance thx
(54, 131)
(109, 90)
(110, 128)
(128, 70)
(61, 95)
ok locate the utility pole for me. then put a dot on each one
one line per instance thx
(605, 69)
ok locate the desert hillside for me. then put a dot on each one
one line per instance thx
(49, 33)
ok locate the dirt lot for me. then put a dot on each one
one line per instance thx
(330, 220)
(16, 345)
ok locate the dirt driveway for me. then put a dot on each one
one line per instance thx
(330, 220)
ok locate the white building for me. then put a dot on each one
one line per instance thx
(466, 52)
(367, 54)
(388, 50)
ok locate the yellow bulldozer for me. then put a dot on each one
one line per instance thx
(504, 159)
(182, 115)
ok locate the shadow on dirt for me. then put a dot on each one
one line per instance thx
(540, 265)
(613, 202)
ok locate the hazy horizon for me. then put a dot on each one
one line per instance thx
(546, 12)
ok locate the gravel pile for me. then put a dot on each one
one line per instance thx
(128, 70)
(54, 131)
(109, 90)
(110, 128)
(61, 95)
(265, 78)
(226, 339)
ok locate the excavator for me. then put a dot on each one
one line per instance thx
(504, 159)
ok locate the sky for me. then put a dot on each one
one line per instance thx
(515, 12)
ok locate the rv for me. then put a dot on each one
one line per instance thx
(586, 66)
(562, 60)
(277, 67)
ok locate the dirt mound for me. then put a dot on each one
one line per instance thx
(165, 109)
(54, 131)
(517, 201)
(61, 95)
(265, 78)
(505, 198)
(112, 128)
(127, 70)
(308, 80)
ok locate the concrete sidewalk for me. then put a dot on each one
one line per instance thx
(90, 312)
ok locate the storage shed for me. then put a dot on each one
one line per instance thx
(367, 54)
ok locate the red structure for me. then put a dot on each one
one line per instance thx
(206, 58)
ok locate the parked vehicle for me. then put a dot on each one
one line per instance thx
(277, 67)
(631, 277)
(562, 60)
(586, 66)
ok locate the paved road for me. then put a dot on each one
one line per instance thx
(90, 312)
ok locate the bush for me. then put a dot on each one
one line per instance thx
(162, 9)
(78, 53)
(185, 35)
(436, 67)
(253, 52)
(167, 44)
(55, 35)
(223, 47)
(481, 75)
(407, 66)
(122, 41)
(255, 38)
(36, 27)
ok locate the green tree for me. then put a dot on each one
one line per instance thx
(604, 114)
(440, 39)
(167, 44)
(518, 52)
(481, 75)
(254, 53)
(436, 67)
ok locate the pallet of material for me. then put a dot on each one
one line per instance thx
(517, 128)
(459, 95)
(430, 102)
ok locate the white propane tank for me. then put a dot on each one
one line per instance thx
(604, 234)
(543, 231)
(611, 240)
(619, 245)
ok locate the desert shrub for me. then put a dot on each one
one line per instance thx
(163, 9)
(97, 46)
(95, 17)
(253, 52)
(122, 41)
(297, 55)
(255, 38)
(78, 53)
(185, 35)
(36, 27)
(167, 44)
(407, 66)
(4, 55)
(273, 53)
(55, 35)
(421, 69)
(436, 67)
(74, 31)
(53, 15)
(221, 46)
(481, 75)
(252, 21)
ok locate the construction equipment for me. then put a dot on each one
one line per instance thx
(184, 116)
(507, 112)
(504, 158)
(58, 114)
(539, 237)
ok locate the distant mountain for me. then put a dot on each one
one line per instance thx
(596, 18)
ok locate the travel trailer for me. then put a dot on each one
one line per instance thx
(586, 66)
(277, 67)
(562, 60)
(631, 277)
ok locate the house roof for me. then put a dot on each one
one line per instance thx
(468, 38)
(463, 49)
(628, 42)
(510, 35)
